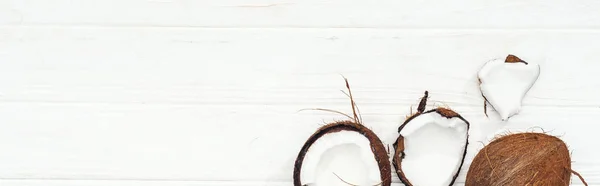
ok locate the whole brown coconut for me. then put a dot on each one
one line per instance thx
(522, 159)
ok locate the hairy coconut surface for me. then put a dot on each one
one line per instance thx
(342, 153)
(522, 159)
(431, 147)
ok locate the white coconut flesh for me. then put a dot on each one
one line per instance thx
(434, 148)
(505, 84)
(347, 154)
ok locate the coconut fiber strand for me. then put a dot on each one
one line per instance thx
(522, 159)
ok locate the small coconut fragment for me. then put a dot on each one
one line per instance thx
(504, 83)
(431, 148)
(343, 153)
(522, 159)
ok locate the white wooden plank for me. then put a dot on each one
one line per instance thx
(208, 104)
(135, 183)
(305, 13)
(157, 183)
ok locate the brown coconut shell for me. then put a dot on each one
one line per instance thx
(399, 144)
(514, 59)
(377, 147)
(522, 159)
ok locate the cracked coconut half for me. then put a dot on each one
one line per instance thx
(343, 153)
(431, 147)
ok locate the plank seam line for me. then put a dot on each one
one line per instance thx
(306, 27)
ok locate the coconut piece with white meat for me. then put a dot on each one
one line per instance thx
(431, 147)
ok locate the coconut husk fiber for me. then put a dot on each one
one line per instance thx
(528, 159)
(355, 125)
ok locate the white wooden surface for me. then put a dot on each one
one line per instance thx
(167, 92)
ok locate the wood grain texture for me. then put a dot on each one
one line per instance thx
(222, 104)
(181, 92)
(532, 14)
(152, 183)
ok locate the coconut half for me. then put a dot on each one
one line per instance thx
(504, 83)
(432, 146)
(342, 153)
(522, 159)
